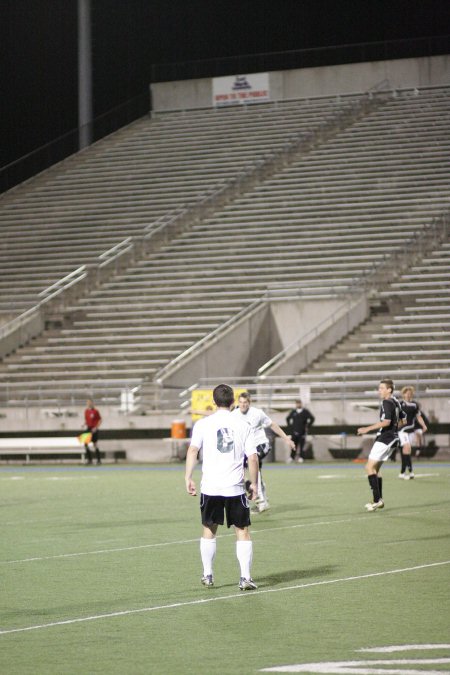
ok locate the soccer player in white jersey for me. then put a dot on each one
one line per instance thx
(386, 439)
(225, 440)
(258, 421)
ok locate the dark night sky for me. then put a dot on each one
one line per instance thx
(39, 45)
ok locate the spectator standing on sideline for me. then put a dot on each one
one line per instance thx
(225, 440)
(259, 421)
(386, 439)
(92, 420)
(406, 434)
(298, 421)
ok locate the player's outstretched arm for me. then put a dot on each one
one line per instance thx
(279, 432)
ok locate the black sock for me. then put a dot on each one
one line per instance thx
(403, 469)
(408, 463)
(380, 486)
(374, 486)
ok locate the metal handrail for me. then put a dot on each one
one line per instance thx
(48, 294)
(62, 284)
(18, 321)
(208, 339)
(115, 252)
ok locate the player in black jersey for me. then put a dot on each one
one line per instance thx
(406, 434)
(386, 439)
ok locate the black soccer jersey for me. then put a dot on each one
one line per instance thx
(299, 420)
(390, 409)
(411, 410)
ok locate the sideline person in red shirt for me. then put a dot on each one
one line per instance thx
(92, 420)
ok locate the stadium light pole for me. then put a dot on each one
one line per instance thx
(84, 74)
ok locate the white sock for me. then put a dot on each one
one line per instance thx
(262, 488)
(244, 553)
(261, 494)
(208, 553)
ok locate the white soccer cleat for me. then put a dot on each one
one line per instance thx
(247, 584)
(373, 506)
(207, 580)
(411, 475)
(263, 506)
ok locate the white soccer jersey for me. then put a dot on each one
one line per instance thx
(225, 439)
(257, 420)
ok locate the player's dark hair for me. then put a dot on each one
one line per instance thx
(223, 396)
(389, 383)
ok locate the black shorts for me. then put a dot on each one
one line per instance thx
(237, 509)
(94, 435)
(262, 451)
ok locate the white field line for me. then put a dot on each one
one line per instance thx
(190, 541)
(177, 542)
(402, 648)
(190, 603)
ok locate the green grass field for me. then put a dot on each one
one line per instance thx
(100, 573)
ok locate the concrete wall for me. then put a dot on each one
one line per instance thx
(321, 324)
(251, 342)
(341, 411)
(310, 82)
(338, 412)
(357, 77)
(294, 318)
(239, 350)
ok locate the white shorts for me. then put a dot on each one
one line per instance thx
(381, 452)
(406, 437)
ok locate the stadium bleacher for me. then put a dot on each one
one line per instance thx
(329, 216)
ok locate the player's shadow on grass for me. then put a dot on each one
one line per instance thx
(94, 524)
(292, 576)
(296, 576)
(295, 509)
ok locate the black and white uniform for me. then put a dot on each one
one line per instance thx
(258, 421)
(387, 437)
(407, 432)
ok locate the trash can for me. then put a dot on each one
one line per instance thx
(178, 429)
